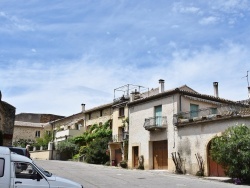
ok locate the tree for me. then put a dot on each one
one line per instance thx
(232, 151)
(94, 143)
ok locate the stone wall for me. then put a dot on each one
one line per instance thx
(7, 118)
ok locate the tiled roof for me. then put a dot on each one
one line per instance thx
(182, 90)
(29, 124)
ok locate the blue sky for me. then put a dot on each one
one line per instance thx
(55, 55)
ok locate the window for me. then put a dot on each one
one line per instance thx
(48, 133)
(37, 134)
(1, 167)
(158, 115)
(194, 110)
(121, 112)
(213, 110)
(25, 171)
(100, 113)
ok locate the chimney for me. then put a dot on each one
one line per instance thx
(132, 97)
(216, 92)
(161, 88)
(83, 107)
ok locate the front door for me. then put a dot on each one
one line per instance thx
(135, 156)
(26, 177)
(118, 156)
(160, 154)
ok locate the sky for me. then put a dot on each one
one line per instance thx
(56, 55)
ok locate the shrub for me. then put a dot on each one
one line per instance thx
(232, 151)
(124, 164)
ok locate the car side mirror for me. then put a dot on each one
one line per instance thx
(38, 177)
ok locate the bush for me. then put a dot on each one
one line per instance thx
(232, 151)
(124, 164)
(96, 151)
(67, 148)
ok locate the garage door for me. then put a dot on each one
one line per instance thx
(214, 168)
(160, 154)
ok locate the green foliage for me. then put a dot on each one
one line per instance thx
(67, 146)
(23, 142)
(94, 142)
(96, 151)
(124, 164)
(44, 141)
(1, 138)
(232, 151)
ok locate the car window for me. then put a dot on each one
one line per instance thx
(1, 167)
(25, 171)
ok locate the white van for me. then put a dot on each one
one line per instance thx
(17, 171)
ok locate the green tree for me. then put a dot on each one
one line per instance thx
(232, 151)
(94, 143)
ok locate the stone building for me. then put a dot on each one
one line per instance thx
(7, 118)
(30, 126)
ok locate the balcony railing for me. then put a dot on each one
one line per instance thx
(120, 137)
(210, 114)
(155, 123)
(64, 134)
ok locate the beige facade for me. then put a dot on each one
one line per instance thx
(154, 134)
(67, 127)
(194, 137)
(27, 131)
(30, 126)
(98, 115)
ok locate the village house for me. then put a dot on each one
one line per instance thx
(178, 123)
(30, 126)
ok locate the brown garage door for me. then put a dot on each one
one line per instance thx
(160, 154)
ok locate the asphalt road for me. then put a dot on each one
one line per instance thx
(93, 176)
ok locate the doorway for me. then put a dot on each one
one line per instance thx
(160, 154)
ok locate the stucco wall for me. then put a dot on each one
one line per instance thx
(138, 136)
(193, 139)
(96, 118)
(43, 155)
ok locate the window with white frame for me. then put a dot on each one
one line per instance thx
(37, 134)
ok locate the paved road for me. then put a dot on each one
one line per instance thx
(98, 176)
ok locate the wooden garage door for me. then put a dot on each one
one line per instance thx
(214, 168)
(160, 154)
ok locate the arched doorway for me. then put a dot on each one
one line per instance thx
(214, 169)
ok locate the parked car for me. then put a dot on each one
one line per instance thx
(20, 151)
(12, 175)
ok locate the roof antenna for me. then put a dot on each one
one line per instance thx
(247, 84)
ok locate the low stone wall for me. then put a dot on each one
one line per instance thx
(43, 154)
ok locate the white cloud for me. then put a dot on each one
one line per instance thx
(209, 20)
(179, 7)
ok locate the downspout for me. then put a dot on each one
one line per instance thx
(180, 103)
(173, 121)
